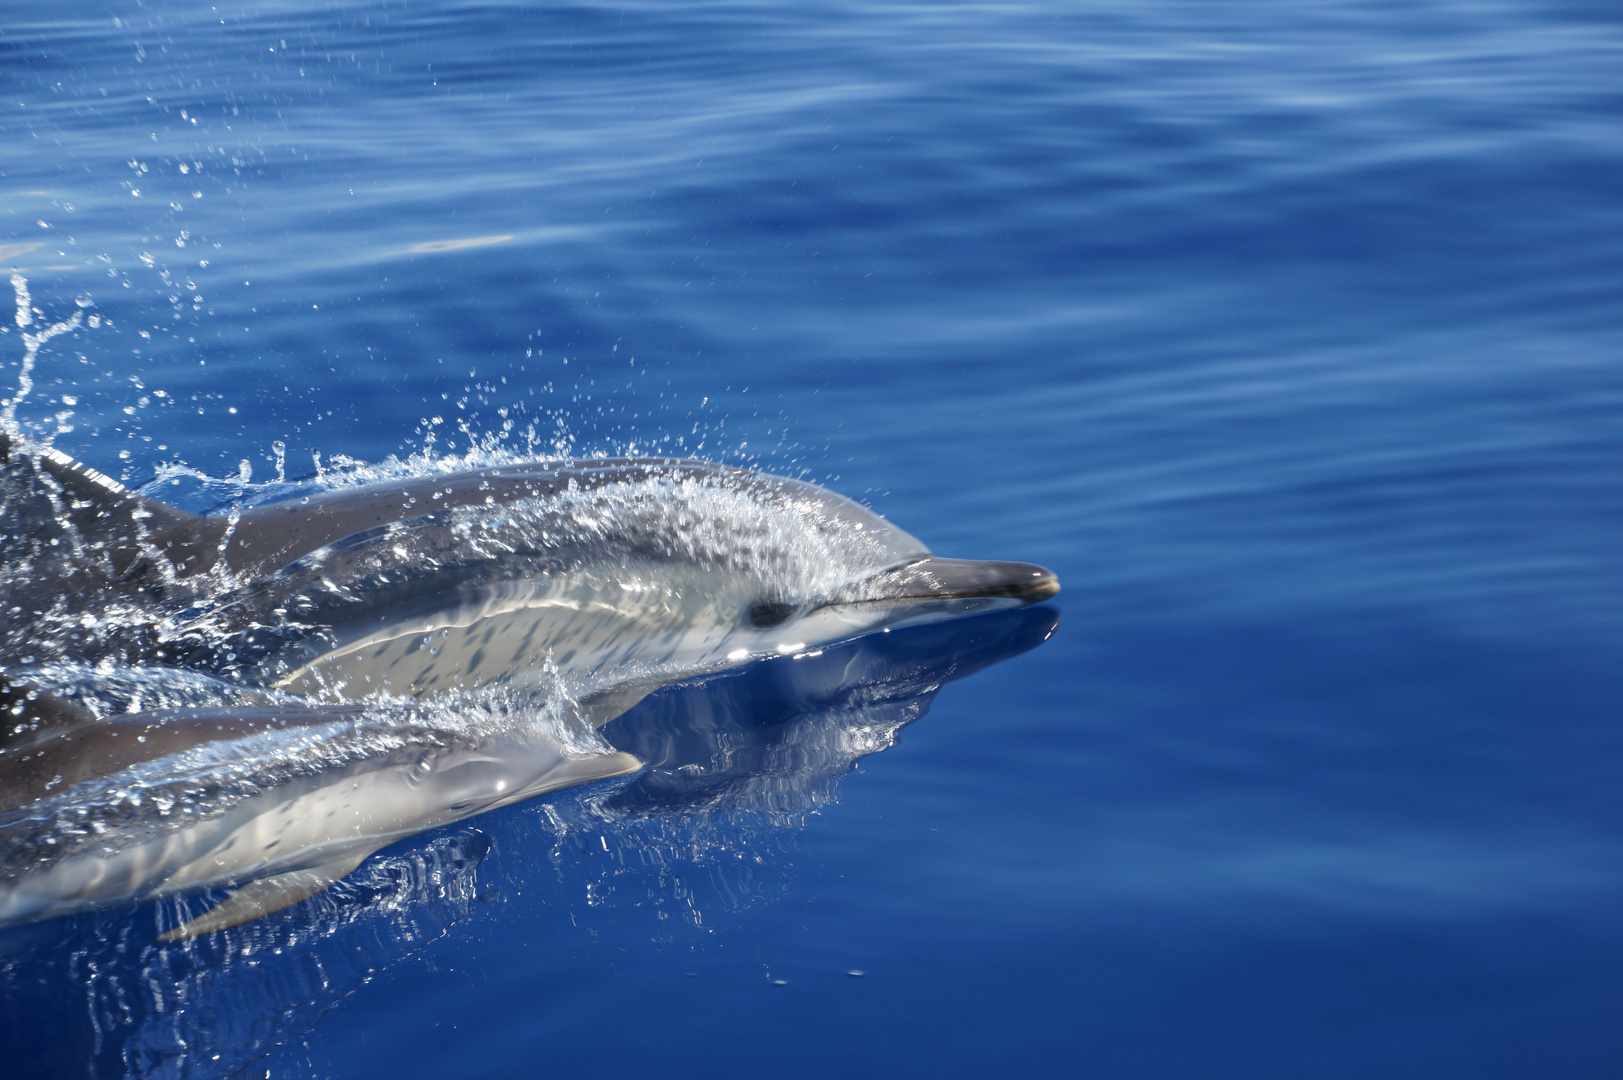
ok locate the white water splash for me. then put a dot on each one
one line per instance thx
(31, 344)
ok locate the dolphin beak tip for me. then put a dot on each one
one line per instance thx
(938, 579)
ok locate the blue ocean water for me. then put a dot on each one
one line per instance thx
(1286, 333)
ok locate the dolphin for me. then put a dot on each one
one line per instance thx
(362, 626)
(288, 840)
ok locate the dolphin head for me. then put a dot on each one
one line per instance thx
(448, 783)
(740, 565)
(827, 568)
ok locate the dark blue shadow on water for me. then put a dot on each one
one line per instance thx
(99, 996)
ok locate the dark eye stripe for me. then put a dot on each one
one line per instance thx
(767, 613)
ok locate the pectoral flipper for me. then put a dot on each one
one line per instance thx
(265, 896)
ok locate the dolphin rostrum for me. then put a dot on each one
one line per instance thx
(379, 654)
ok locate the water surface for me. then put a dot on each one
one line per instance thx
(1287, 334)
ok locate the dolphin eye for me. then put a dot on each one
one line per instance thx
(767, 613)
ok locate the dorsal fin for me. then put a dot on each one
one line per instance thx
(25, 711)
(76, 478)
(109, 516)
